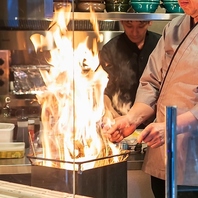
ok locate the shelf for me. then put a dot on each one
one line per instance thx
(125, 16)
(114, 16)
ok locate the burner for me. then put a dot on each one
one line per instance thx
(109, 181)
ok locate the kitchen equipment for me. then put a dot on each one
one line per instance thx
(6, 132)
(58, 4)
(144, 6)
(117, 7)
(130, 143)
(12, 150)
(27, 78)
(25, 14)
(172, 7)
(148, 1)
(22, 131)
(99, 182)
(85, 6)
(5, 112)
(20, 16)
(117, 1)
(4, 71)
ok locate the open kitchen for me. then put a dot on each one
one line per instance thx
(51, 102)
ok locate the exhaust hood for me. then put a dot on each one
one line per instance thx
(26, 14)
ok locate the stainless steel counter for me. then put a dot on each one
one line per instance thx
(135, 161)
(15, 166)
(18, 171)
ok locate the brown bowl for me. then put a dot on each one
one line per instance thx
(117, 7)
(85, 6)
(58, 5)
(92, 1)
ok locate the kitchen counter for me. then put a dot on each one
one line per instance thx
(12, 190)
(15, 172)
(138, 182)
(15, 166)
(135, 161)
(19, 170)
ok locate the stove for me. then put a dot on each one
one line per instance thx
(109, 181)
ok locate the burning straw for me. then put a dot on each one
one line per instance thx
(72, 101)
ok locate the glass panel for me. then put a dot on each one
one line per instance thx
(182, 159)
(171, 176)
(74, 153)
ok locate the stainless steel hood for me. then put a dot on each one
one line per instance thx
(25, 14)
(20, 40)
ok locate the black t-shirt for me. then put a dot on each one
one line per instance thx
(125, 62)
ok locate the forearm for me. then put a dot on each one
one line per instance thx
(139, 113)
(186, 122)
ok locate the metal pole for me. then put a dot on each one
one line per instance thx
(171, 160)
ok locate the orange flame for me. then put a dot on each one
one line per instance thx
(72, 103)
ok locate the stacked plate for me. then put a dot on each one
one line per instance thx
(117, 5)
(172, 6)
(146, 6)
(58, 4)
(96, 5)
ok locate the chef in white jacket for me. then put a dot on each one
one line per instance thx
(169, 79)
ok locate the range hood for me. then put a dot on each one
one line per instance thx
(26, 14)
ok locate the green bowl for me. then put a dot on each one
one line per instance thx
(172, 7)
(147, 7)
(150, 1)
(169, 1)
(117, 7)
(117, 1)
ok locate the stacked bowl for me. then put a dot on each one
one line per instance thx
(146, 6)
(85, 5)
(172, 6)
(58, 4)
(117, 5)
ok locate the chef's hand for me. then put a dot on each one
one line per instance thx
(153, 135)
(119, 130)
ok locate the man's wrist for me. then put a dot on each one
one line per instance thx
(135, 121)
(129, 119)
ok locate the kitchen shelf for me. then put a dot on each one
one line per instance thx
(125, 16)
(114, 16)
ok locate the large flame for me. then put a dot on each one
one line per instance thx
(72, 103)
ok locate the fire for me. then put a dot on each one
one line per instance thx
(72, 102)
